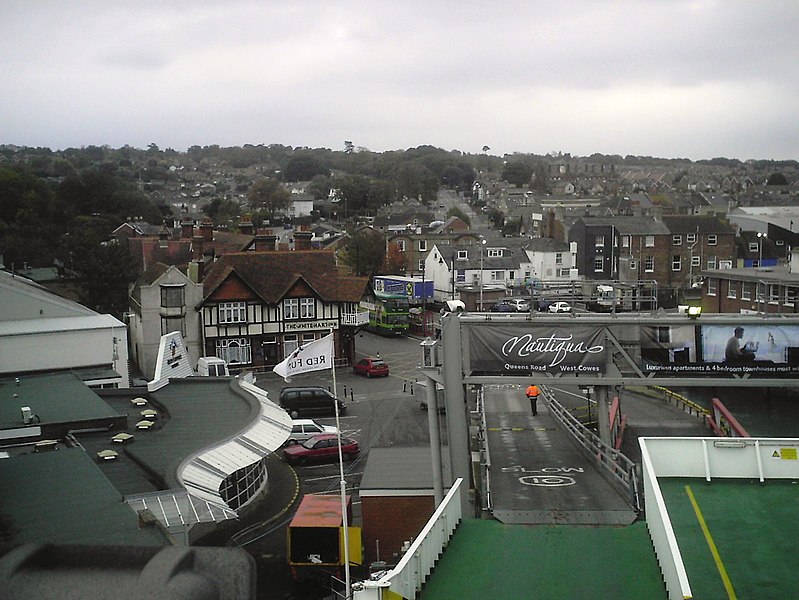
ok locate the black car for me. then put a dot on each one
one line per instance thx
(502, 306)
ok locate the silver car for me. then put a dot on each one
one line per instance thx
(304, 429)
(519, 304)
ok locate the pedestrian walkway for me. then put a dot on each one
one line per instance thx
(537, 474)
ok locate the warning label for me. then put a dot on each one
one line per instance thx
(785, 454)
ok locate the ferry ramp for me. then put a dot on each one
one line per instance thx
(537, 474)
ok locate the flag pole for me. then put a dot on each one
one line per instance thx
(343, 483)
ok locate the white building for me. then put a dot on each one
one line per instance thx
(42, 331)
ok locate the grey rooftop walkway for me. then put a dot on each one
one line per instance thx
(537, 474)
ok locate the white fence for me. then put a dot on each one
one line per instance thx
(407, 578)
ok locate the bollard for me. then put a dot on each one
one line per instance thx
(352, 397)
(411, 388)
(345, 390)
(404, 385)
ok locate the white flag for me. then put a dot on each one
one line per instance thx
(315, 356)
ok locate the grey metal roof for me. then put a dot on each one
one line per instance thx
(629, 225)
(398, 469)
(55, 324)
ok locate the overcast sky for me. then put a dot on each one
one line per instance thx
(670, 78)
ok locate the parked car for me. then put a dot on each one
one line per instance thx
(371, 367)
(305, 429)
(560, 307)
(320, 448)
(305, 401)
(502, 306)
(519, 304)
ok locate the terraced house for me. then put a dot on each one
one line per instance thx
(258, 307)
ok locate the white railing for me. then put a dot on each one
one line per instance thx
(406, 579)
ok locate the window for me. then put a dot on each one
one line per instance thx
(290, 343)
(307, 308)
(422, 245)
(172, 296)
(421, 264)
(232, 312)
(563, 272)
(649, 241)
(732, 289)
(291, 308)
(599, 264)
(599, 241)
(462, 254)
(625, 241)
(461, 276)
(760, 292)
(711, 286)
(711, 262)
(234, 350)
(696, 261)
(773, 292)
(790, 295)
(676, 240)
(511, 275)
(725, 264)
(401, 245)
(497, 275)
(633, 265)
(712, 239)
(753, 247)
(676, 262)
(173, 323)
(558, 258)
(780, 242)
(690, 237)
(495, 252)
(649, 264)
(746, 291)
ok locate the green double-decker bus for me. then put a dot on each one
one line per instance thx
(388, 315)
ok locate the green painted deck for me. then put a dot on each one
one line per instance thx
(754, 529)
(488, 559)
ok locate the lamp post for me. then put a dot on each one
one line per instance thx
(760, 237)
(482, 243)
(424, 302)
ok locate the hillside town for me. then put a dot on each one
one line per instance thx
(124, 272)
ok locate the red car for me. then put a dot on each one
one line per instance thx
(320, 447)
(371, 367)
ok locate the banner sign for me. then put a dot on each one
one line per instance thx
(716, 350)
(519, 350)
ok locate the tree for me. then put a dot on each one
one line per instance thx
(517, 173)
(457, 212)
(365, 252)
(353, 193)
(104, 268)
(303, 167)
(777, 179)
(267, 196)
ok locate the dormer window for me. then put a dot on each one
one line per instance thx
(463, 254)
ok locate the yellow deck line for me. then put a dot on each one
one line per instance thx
(712, 545)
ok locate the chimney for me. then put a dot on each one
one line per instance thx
(197, 247)
(246, 227)
(186, 229)
(196, 271)
(207, 231)
(302, 240)
(265, 243)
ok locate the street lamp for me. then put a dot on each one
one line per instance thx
(760, 237)
(482, 243)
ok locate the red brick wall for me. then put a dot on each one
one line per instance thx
(391, 520)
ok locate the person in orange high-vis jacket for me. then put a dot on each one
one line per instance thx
(532, 394)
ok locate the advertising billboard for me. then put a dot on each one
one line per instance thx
(715, 350)
(519, 350)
